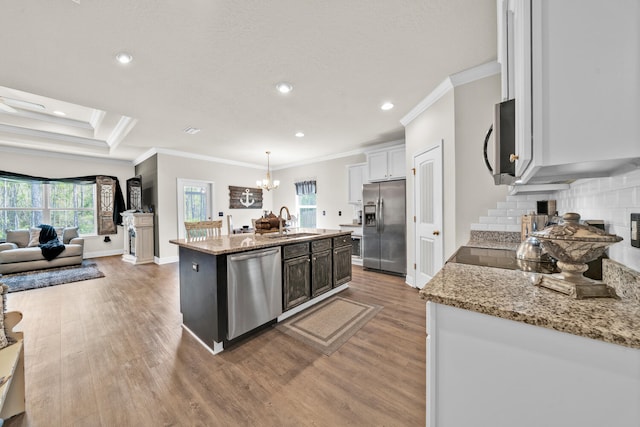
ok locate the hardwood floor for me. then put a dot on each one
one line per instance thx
(111, 352)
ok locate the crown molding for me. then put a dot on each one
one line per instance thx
(153, 151)
(58, 155)
(122, 129)
(35, 133)
(63, 121)
(454, 80)
(363, 150)
(187, 155)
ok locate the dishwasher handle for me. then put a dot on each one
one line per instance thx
(253, 255)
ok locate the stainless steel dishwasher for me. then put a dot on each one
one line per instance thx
(254, 290)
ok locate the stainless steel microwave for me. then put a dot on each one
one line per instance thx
(504, 125)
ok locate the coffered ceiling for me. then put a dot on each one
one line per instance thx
(213, 65)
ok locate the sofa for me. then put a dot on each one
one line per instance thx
(21, 252)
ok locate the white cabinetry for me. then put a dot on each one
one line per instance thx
(488, 371)
(138, 238)
(573, 67)
(357, 177)
(385, 165)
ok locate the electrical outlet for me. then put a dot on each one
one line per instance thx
(635, 230)
(339, 213)
(220, 213)
(324, 213)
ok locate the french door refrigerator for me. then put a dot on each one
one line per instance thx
(384, 227)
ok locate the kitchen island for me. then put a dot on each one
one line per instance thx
(231, 286)
(503, 352)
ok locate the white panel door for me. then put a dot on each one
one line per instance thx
(428, 212)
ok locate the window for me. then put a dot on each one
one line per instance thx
(307, 210)
(306, 203)
(25, 204)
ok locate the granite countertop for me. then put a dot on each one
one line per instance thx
(510, 294)
(247, 242)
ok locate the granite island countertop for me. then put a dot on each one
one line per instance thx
(510, 294)
(235, 243)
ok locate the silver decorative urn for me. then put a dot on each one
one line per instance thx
(573, 245)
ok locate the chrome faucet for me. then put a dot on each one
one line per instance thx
(282, 220)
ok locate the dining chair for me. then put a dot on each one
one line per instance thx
(202, 230)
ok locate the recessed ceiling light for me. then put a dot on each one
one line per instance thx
(386, 106)
(191, 130)
(124, 57)
(284, 87)
(59, 113)
(299, 134)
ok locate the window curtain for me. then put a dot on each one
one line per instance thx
(305, 187)
(116, 205)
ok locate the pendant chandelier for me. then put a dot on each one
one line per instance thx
(266, 183)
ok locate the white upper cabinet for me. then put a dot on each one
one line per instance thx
(573, 67)
(357, 177)
(385, 165)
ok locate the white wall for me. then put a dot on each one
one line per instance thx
(51, 165)
(433, 125)
(475, 190)
(170, 168)
(332, 189)
(611, 199)
(460, 118)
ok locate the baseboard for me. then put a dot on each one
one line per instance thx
(165, 260)
(410, 280)
(313, 301)
(98, 254)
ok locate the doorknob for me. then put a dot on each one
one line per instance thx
(436, 233)
(513, 158)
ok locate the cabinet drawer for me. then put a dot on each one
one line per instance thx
(297, 249)
(320, 245)
(342, 240)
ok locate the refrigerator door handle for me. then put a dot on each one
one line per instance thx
(381, 221)
(378, 215)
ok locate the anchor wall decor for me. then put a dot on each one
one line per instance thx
(245, 198)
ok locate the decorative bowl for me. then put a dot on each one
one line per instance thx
(574, 245)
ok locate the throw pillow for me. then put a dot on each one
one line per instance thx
(3, 336)
(19, 237)
(68, 234)
(34, 237)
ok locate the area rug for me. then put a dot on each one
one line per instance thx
(330, 324)
(51, 277)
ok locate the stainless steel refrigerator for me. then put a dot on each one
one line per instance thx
(384, 227)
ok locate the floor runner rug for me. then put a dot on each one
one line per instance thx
(329, 324)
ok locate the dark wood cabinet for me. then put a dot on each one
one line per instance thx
(310, 269)
(321, 272)
(341, 264)
(296, 275)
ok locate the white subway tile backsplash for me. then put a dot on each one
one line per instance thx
(507, 220)
(497, 212)
(517, 212)
(528, 205)
(610, 199)
(507, 205)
